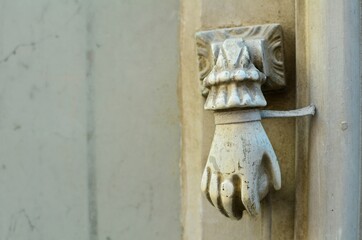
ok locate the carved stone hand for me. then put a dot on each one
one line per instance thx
(240, 169)
(234, 65)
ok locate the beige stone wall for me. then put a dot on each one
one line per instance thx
(332, 69)
(319, 157)
(277, 220)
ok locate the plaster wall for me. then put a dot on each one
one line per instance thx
(89, 128)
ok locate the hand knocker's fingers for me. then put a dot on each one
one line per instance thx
(273, 168)
(263, 185)
(231, 197)
(214, 189)
(250, 195)
(226, 193)
(205, 183)
(205, 180)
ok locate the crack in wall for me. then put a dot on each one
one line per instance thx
(31, 44)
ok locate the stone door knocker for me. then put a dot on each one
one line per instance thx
(236, 64)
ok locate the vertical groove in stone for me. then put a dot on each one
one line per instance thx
(302, 128)
(91, 144)
(360, 63)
